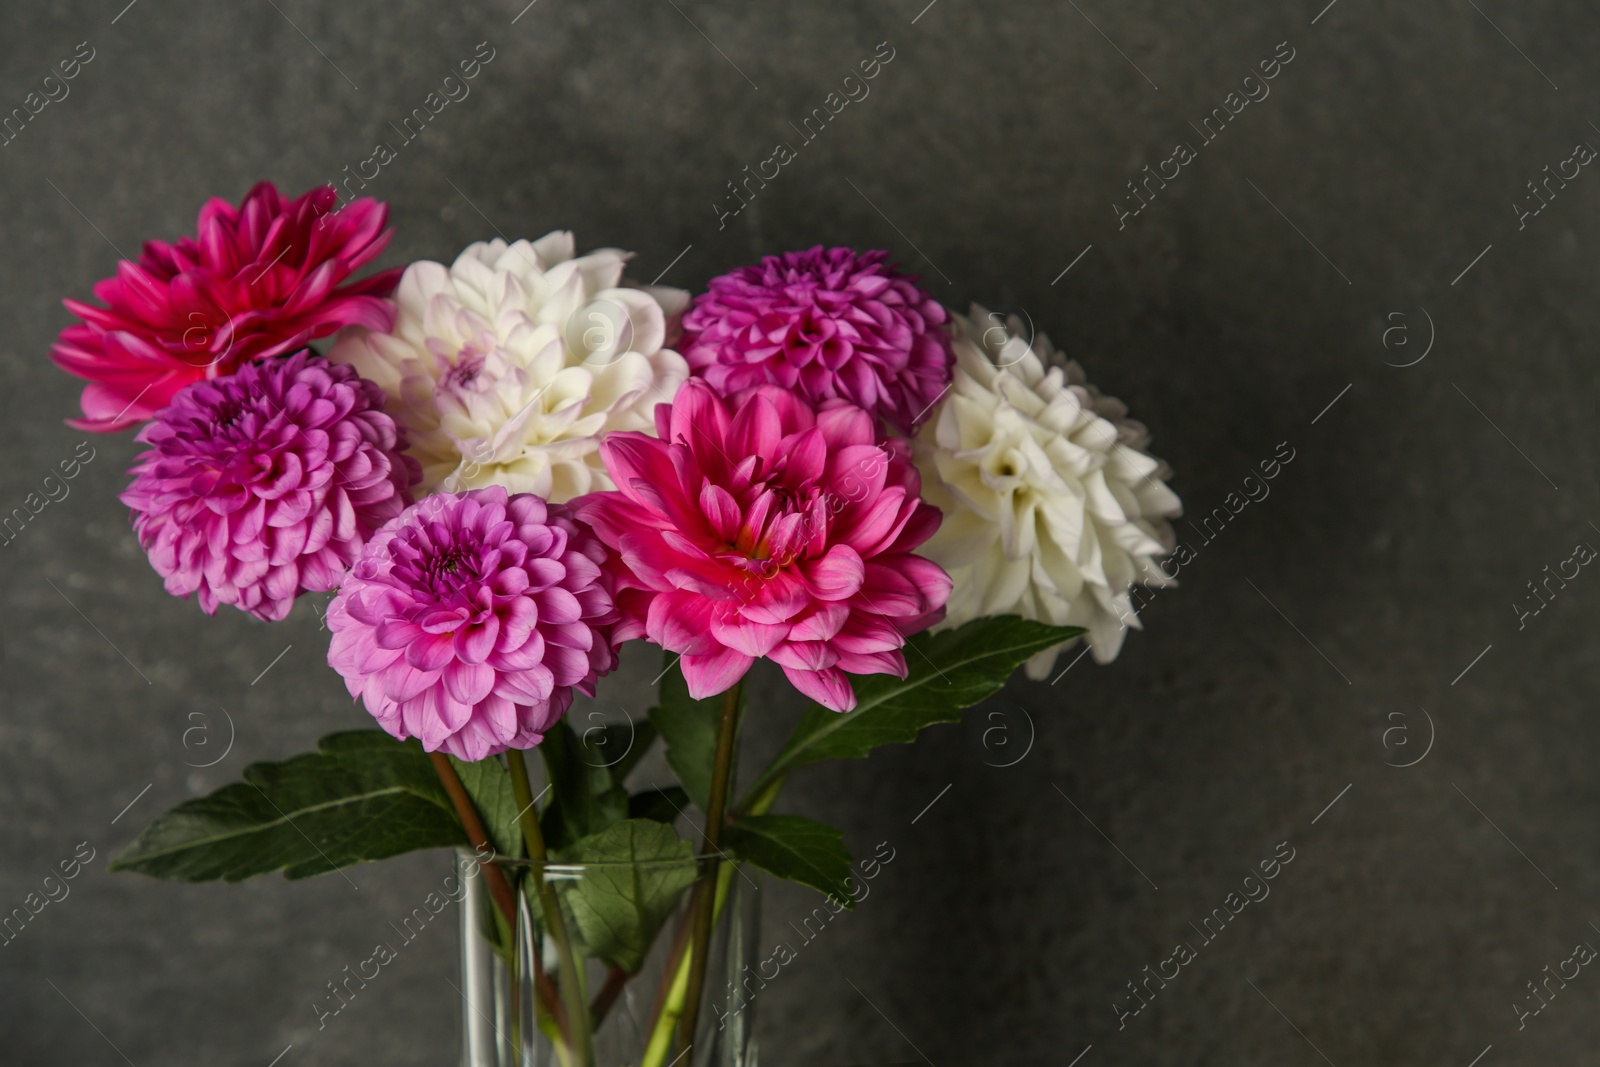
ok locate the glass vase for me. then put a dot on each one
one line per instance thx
(516, 1008)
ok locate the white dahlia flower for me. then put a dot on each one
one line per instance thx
(506, 367)
(1051, 509)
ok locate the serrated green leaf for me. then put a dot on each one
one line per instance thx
(586, 772)
(662, 805)
(489, 785)
(946, 673)
(800, 850)
(641, 868)
(619, 746)
(583, 800)
(689, 727)
(361, 796)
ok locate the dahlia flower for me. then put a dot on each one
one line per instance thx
(755, 526)
(825, 324)
(1051, 509)
(264, 484)
(261, 279)
(508, 366)
(471, 618)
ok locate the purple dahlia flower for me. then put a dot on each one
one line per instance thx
(471, 618)
(824, 323)
(265, 483)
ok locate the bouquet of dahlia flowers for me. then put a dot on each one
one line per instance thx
(505, 468)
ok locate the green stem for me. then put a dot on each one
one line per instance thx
(675, 983)
(566, 964)
(760, 802)
(721, 772)
(675, 978)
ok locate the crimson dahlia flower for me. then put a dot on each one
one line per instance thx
(260, 280)
(756, 526)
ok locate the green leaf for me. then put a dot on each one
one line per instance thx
(689, 727)
(947, 672)
(488, 783)
(801, 850)
(615, 747)
(584, 800)
(662, 805)
(619, 746)
(361, 796)
(617, 907)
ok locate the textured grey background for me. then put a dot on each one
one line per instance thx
(987, 157)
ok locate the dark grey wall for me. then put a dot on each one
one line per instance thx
(1254, 291)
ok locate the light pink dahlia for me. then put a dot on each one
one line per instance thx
(757, 526)
(260, 280)
(264, 484)
(825, 324)
(471, 618)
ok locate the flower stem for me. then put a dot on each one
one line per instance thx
(505, 900)
(758, 803)
(675, 980)
(616, 978)
(477, 836)
(721, 772)
(567, 965)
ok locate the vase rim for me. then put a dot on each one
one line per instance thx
(555, 868)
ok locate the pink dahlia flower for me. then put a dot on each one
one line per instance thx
(825, 324)
(262, 279)
(264, 484)
(471, 618)
(755, 526)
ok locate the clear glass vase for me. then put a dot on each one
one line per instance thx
(516, 1007)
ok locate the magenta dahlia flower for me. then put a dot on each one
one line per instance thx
(471, 618)
(825, 324)
(260, 280)
(264, 484)
(757, 526)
